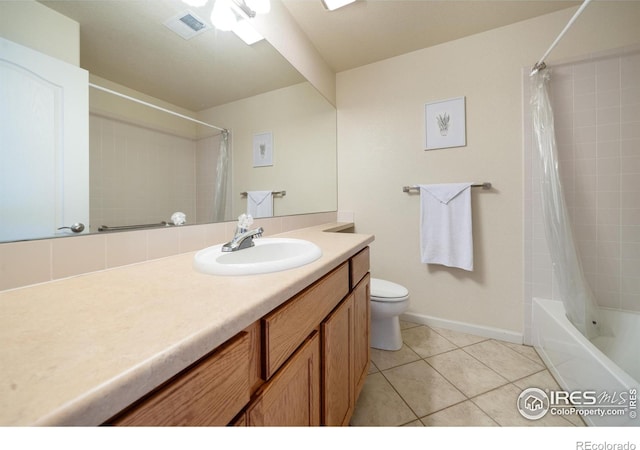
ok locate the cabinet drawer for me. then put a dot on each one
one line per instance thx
(211, 392)
(359, 266)
(288, 326)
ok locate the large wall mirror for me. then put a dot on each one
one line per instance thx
(145, 164)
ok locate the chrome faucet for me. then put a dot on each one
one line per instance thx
(242, 239)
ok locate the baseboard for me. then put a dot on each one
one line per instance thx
(462, 327)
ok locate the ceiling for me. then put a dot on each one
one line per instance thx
(372, 30)
(125, 41)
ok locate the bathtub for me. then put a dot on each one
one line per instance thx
(582, 365)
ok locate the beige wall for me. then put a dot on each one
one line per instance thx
(303, 166)
(40, 28)
(381, 149)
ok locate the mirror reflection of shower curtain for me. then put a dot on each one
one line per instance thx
(222, 172)
(576, 294)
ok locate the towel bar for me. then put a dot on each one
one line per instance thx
(484, 185)
(104, 228)
(280, 193)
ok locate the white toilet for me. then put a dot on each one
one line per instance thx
(388, 301)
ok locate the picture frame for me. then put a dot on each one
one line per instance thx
(445, 123)
(263, 149)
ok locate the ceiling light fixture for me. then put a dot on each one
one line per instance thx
(332, 5)
(246, 32)
(222, 16)
(195, 3)
(259, 6)
(233, 15)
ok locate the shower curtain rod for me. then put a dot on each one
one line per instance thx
(540, 64)
(159, 108)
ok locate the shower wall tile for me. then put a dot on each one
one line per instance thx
(586, 150)
(609, 149)
(629, 217)
(608, 116)
(608, 99)
(630, 233)
(630, 113)
(583, 102)
(584, 134)
(130, 168)
(629, 183)
(630, 96)
(609, 182)
(584, 85)
(599, 162)
(630, 131)
(608, 131)
(585, 117)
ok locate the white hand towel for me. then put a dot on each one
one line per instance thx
(445, 225)
(260, 204)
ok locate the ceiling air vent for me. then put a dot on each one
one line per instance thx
(187, 25)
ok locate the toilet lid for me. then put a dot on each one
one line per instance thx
(386, 290)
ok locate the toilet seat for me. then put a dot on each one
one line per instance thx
(387, 291)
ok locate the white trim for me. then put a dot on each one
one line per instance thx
(478, 330)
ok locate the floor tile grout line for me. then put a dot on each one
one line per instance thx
(451, 382)
(400, 395)
(445, 378)
(453, 343)
(537, 361)
(466, 397)
(488, 367)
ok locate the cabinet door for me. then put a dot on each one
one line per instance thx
(209, 393)
(338, 369)
(361, 332)
(292, 396)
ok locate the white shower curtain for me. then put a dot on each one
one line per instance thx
(576, 294)
(222, 171)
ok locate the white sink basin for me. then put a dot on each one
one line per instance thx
(268, 255)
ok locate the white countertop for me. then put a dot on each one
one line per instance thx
(79, 350)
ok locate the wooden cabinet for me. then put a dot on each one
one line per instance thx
(288, 326)
(292, 396)
(209, 393)
(345, 347)
(338, 367)
(302, 364)
(362, 332)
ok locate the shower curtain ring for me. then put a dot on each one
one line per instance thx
(537, 67)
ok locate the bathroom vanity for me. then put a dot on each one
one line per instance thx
(302, 364)
(158, 343)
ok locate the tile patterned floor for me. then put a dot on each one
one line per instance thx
(444, 378)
